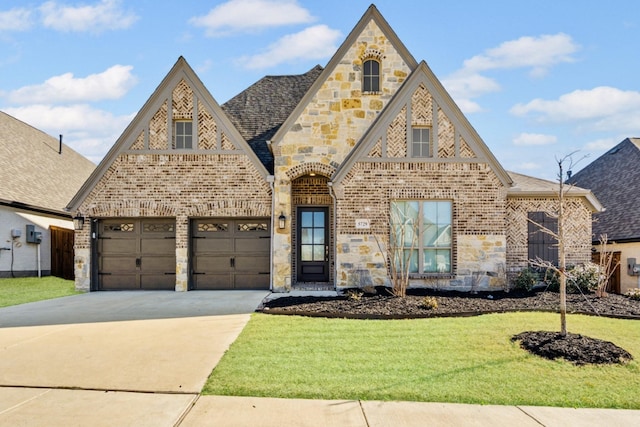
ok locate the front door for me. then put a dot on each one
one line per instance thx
(313, 244)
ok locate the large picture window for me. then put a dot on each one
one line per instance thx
(421, 235)
(542, 244)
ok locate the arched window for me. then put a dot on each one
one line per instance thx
(371, 76)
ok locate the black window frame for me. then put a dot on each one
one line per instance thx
(542, 244)
(371, 77)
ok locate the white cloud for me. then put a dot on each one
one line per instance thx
(15, 20)
(602, 108)
(251, 15)
(112, 83)
(91, 132)
(525, 139)
(535, 53)
(103, 16)
(315, 42)
(601, 144)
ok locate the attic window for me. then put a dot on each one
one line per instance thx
(371, 76)
(183, 135)
(420, 142)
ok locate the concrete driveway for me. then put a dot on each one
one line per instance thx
(164, 343)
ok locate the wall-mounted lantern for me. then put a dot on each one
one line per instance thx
(282, 220)
(78, 222)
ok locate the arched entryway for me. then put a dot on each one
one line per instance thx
(312, 213)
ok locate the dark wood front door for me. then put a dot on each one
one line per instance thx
(313, 244)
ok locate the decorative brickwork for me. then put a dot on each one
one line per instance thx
(577, 229)
(207, 138)
(465, 150)
(446, 136)
(376, 151)
(307, 168)
(182, 101)
(158, 132)
(397, 135)
(421, 107)
(138, 144)
(226, 142)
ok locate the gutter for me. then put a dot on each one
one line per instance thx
(38, 209)
(271, 180)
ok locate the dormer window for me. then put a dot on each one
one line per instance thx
(183, 135)
(371, 76)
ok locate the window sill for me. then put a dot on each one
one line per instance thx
(372, 93)
(432, 276)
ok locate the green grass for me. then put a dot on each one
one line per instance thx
(465, 360)
(29, 289)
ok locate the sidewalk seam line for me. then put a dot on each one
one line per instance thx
(24, 402)
(366, 420)
(529, 415)
(187, 410)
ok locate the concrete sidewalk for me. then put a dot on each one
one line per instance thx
(55, 407)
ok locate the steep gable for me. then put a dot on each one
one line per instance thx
(422, 101)
(335, 112)
(180, 96)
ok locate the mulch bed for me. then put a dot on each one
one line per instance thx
(383, 305)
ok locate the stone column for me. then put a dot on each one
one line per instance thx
(182, 253)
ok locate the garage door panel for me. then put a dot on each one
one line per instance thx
(211, 245)
(257, 263)
(136, 253)
(213, 281)
(128, 246)
(253, 245)
(230, 253)
(158, 246)
(115, 282)
(158, 282)
(118, 263)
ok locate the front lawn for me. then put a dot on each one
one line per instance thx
(29, 289)
(465, 360)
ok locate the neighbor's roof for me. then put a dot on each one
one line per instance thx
(33, 174)
(528, 186)
(614, 178)
(260, 110)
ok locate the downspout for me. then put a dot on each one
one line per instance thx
(271, 180)
(334, 232)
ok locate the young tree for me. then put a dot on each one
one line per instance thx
(559, 236)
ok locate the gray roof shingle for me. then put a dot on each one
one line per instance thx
(32, 170)
(260, 110)
(614, 178)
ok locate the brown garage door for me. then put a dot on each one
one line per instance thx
(230, 253)
(137, 253)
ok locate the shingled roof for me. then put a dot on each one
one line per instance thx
(614, 178)
(260, 110)
(34, 173)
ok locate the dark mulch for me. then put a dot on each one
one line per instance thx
(383, 305)
(575, 348)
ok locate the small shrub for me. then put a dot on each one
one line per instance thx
(354, 294)
(583, 278)
(634, 294)
(429, 303)
(525, 280)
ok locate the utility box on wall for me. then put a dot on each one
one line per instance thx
(33, 236)
(633, 269)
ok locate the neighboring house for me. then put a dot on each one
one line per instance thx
(38, 177)
(614, 178)
(291, 184)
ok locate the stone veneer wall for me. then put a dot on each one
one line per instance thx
(479, 202)
(577, 229)
(179, 186)
(329, 126)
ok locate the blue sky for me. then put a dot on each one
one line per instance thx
(537, 79)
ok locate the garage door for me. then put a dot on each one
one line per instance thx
(137, 254)
(230, 253)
